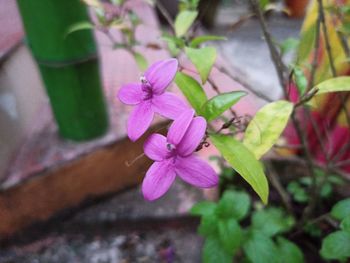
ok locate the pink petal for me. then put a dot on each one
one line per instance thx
(130, 94)
(179, 127)
(196, 172)
(168, 105)
(155, 147)
(192, 137)
(139, 120)
(158, 180)
(160, 74)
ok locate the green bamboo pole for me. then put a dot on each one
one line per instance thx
(68, 65)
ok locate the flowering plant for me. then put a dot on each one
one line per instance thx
(173, 155)
(241, 141)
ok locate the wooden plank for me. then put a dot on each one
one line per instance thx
(100, 172)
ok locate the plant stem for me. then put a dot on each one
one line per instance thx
(281, 69)
(273, 177)
(165, 13)
(241, 81)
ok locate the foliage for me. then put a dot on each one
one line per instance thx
(192, 90)
(217, 105)
(337, 84)
(244, 162)
(203, 59)
(125, 22)
(183, 22)
(300, 188)
(337, 244)
(300, 80)
(288, 45)
(267, 126)
(341, 210)
(260, 241)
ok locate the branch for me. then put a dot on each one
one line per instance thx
(306, 98)
(165, 13)
(241, 81)
(273, 177)
(276, 58)
(281, 69)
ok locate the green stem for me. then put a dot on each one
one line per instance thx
(68, 65)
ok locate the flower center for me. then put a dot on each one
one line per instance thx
(172, 153)
(170, 147)
(146, 88)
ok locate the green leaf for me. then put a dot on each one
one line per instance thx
(267, 126)
(188, 4)
(141, 61)
(263, 4)
(345, 224)
(326, 190)
(201, 39)
(179, 42)
(174, 50)
(336, 246)
(213, 252)
(230, 235)
(244, 162)
(183, 22)
(272, 221)
(300, 80)
(341, 209)
(298, 192)
(217, 105)
(203, 59)
(208, 226)
(345, 28)
(192, 90)
(345, 9)
(335, 179)
(289, 252)
(260, 248)
(203, 208)
(334, 85)
(84, 25)
(233, 204)
(313, 230)
(288, 45)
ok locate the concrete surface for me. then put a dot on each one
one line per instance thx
(246, 50)
(122, 229)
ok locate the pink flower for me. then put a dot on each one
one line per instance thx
(149, 97)
(173, 155)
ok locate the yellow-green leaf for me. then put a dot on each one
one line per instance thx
(334, 85)
(267, 126)
(183, 22)
(244, 162)
(192, 90)
(203, 59)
